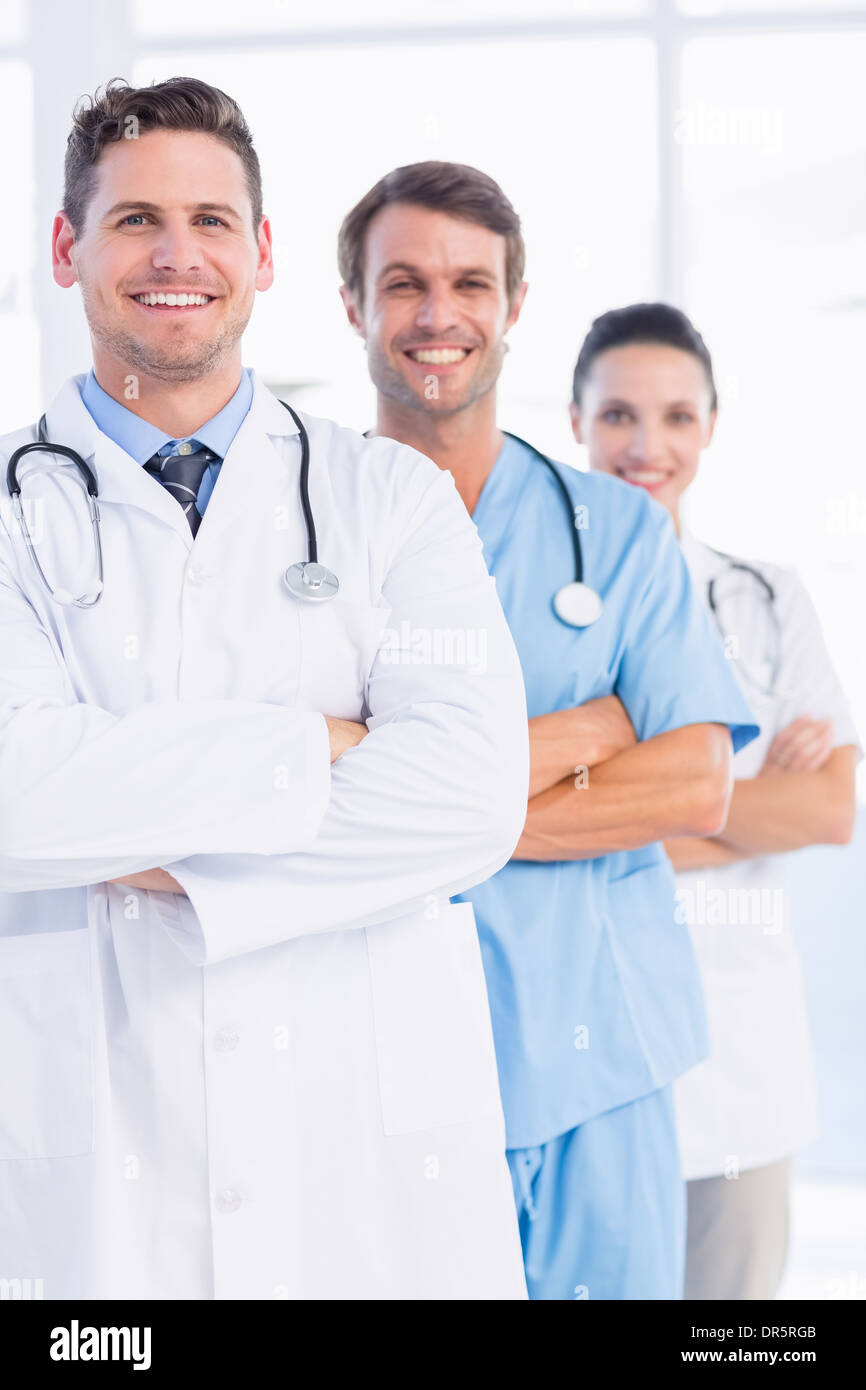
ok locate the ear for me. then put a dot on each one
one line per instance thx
(711, 428)
(353, 313)
(516, 305)
(265, 268)
(63, 252)
(576, 417)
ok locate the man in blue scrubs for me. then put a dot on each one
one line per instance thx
(595, 1009)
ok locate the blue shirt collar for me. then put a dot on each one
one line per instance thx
(141, 440)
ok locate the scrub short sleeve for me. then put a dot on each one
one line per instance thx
(673, 670)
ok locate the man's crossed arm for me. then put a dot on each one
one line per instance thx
(342, 733)
(595, 790)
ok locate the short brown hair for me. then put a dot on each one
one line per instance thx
(458, 189)
(180, 103)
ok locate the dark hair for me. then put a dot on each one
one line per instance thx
(642, 323)
(457, 189)
(122, 112)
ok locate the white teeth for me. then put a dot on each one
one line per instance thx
(644, 475)
(439, 357)
(178, 300)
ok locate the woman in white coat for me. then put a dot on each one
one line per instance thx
(645, 404)
(276, 1079)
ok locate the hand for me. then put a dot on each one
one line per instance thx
(612, 730)
(344, 734)
(803, 746)
(152, 880)
(583, 735)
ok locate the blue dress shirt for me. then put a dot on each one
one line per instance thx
(141, 440)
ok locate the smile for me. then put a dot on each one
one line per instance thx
(438, 357)
(173, 301)
(645, 477)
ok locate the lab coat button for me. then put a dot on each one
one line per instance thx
(227, 1201)
(226, 1039)
(196, 574)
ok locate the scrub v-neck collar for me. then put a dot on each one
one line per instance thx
(499, 499)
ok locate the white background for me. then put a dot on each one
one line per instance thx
(712, 153)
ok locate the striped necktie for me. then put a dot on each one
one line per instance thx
(181, 473)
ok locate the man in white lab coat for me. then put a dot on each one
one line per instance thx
(245, 1036)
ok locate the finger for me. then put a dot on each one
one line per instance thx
(807, 752)
(785, 740)
(798, 726)
(811, 759)
(796, 733)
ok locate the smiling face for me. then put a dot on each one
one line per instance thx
(168, 260)
(435, 308)
(645, 416)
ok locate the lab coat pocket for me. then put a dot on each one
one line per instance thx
(45, 1079)
(339, 641)
(434, 1039)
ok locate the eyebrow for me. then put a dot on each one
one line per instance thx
(134, 206)
(626, 405)
(413, 270)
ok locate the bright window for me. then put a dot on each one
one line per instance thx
(773, 133)
(329, 123)
(19, 246)
(165, 17)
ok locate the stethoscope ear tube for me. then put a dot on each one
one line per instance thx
(13, 487)
(312, 542)
(41, 445)
(776, 657)
(308, 580)
(575, 604)
(746, 569)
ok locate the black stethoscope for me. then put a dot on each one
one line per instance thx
(774, 658)
(306, 580)
(577, 604)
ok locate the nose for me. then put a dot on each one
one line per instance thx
(178, 248)
(647, 442)
(436, 313)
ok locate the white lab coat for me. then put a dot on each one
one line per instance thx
(284, 1086)
(754, 1101)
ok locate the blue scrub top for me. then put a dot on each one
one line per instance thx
(594, 990)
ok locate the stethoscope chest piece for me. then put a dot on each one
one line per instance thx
(577, 604)
(311, 581)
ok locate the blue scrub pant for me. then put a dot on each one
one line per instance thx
(602, 1209)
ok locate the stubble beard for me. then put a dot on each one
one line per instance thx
(391, 384)
(175, 363)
